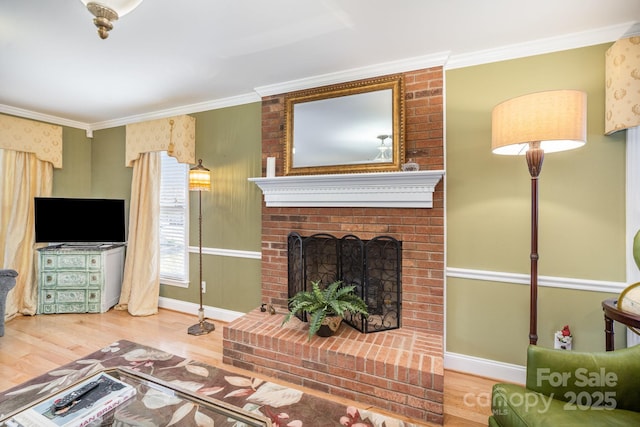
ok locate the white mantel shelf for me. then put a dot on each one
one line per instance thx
(376, 189)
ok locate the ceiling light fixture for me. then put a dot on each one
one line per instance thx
(384, 151)
(107, 11)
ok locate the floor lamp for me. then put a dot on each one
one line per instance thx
(531, 125)
(200, 180)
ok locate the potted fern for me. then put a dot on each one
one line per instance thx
(325, 307)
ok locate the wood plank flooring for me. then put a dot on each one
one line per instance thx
(33, 345)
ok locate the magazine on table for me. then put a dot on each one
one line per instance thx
(77, 406)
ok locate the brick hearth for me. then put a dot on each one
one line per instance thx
(398, 370)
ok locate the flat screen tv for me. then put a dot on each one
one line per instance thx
(70, 220)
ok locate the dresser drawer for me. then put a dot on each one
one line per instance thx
(72, 261)
(63, 301)
(74, 279)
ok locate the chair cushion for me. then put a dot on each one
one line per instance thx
(513, 405)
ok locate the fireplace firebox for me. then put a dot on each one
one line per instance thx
(373, 266)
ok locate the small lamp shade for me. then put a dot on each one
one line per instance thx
(557, 119)
(199, 178)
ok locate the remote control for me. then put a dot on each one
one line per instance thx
(67, 400)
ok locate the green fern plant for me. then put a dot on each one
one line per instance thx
(333, 300)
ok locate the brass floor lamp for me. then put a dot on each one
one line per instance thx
(531, 125)
(200, 180)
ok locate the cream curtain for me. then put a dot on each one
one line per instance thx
(141, 282)
(145, 141)
(23, 177)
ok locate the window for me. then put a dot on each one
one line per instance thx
(174, 222)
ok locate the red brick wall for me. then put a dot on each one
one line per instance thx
(420, 230)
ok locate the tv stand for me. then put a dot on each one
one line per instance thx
(79, 278)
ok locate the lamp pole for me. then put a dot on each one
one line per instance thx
(200, 180)
(535, 157)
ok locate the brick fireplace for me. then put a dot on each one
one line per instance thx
(398, 370)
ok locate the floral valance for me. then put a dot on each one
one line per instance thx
(622, 99)
(42, 139)
(175, 135)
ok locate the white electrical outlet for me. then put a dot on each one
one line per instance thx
(204, 287)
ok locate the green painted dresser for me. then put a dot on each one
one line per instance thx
(79, 278)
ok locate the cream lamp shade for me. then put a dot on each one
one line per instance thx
(557, 119)
(199, 178)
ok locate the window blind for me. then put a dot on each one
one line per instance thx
(174, 221)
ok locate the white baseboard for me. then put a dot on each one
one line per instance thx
(499, 371)
(192, 308)
(454, 361)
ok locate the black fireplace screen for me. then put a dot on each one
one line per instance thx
(372, 266)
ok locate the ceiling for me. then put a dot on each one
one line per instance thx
(177, 56)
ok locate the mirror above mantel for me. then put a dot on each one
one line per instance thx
(346, 128)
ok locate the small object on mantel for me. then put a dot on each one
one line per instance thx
(271, 167)
(410, 166)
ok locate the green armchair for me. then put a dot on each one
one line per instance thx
(568, 388)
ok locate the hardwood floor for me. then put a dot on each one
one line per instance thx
(34, 345)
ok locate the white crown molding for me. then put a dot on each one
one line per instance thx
(376, 189)
(404, 65)
(540, 46)
(185, 109)
(160, 114)
(543, 281)
(27, 114)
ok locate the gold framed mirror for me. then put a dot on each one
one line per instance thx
(346, 128)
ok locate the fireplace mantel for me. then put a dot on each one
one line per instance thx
(376, 189)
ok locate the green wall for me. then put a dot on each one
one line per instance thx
(228, 140)
(581, 211)
(74, 178)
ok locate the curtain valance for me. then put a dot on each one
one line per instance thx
(23, 135)
(175, 135)
(622, 99)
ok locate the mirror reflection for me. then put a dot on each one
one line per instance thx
(345, 128)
